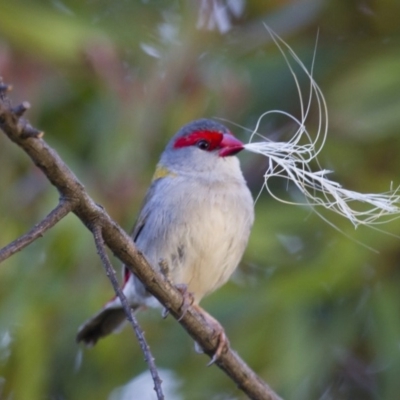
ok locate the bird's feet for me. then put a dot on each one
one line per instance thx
(219, 333)
(187, 297)
(164, 268)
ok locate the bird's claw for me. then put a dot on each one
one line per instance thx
(219, 334)
(164, 313)
(187, 299)
(222, 346)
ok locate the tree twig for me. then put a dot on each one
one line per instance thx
(101, 251)
(62, 209)
(58, 173)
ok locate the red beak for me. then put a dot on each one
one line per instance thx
(230, 146)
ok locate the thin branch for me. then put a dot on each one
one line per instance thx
(62, 209)
(121, 244)
(101, 251)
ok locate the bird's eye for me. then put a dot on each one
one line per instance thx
(203, 144)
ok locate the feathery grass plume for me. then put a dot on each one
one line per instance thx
(291, 160)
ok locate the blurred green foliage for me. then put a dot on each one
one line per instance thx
(313, 311)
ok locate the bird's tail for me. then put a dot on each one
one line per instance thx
(111, 318)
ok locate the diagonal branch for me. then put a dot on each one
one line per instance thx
(62, 209)
(69, 187)
(101, 251)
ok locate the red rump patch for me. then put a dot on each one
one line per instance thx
(214, 139)
(127, 275)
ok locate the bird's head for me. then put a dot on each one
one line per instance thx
(208, 136)
(202, 145)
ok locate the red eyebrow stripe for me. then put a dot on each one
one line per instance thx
(213, 137)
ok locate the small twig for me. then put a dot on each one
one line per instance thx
(20, 109)
(62, 209)
(29, 131)
(101, 251)
(4, 88)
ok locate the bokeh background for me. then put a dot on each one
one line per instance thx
(314, 312)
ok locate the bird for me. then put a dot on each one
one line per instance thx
(196, 217)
